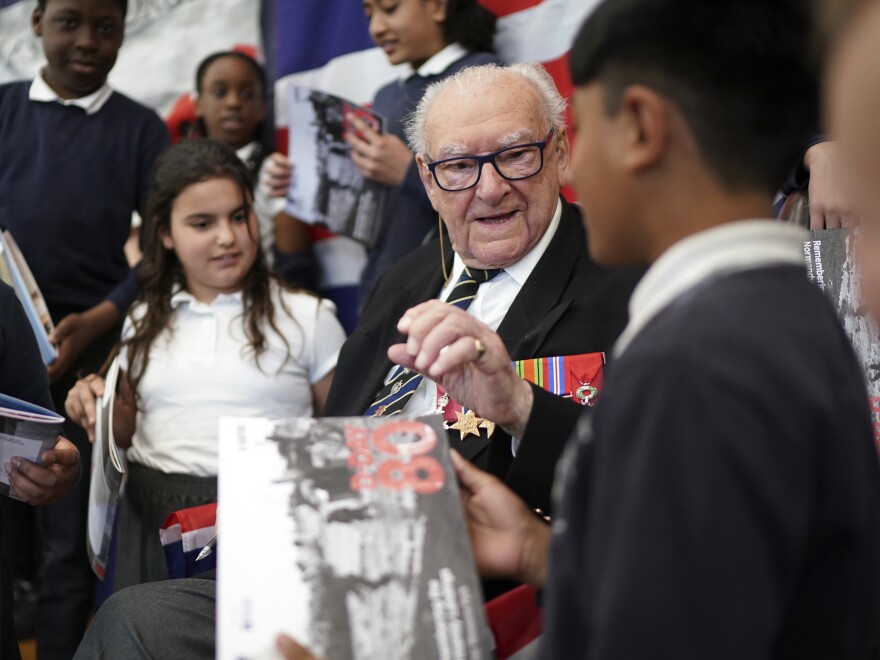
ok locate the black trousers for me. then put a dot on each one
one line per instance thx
(66, 581)
(8, 640)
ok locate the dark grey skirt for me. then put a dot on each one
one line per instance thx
(150, 497)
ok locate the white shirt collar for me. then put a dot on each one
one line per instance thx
(184, 297)
(521, 269)
(245, 152)
(439, 62)
(40, 91)
(728, 248)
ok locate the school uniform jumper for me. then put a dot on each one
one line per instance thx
(724, 500)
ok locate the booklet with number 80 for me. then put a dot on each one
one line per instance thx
(348, 535)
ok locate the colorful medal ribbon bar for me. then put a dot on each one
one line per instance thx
(575, 377)
(578, 377)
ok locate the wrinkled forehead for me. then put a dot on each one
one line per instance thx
(465, 121)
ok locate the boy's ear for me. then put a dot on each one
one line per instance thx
(645, 117)
(37, 21)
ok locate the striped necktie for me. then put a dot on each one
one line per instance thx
(391, 399)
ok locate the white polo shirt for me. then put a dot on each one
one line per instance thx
(202, 369)
(438, 62)
(40, 91)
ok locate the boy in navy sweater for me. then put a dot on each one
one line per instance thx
(76, 161)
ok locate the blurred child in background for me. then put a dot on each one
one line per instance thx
(435, 38)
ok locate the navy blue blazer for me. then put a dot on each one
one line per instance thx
(724, 499)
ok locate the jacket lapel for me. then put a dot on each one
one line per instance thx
(533, 314)
(382, 331)
(539, 305)
(542, 300)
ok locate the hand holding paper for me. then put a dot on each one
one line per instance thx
(45, 484)
(75, 332)
(80, 402)
(379, 157)
(29, 434)
(291, 650)
(329, 186)
(830, 202)
(508, 540)
(275, 174)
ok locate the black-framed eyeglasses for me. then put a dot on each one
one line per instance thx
(513, 163)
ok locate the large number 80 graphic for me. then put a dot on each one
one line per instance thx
(420, 473)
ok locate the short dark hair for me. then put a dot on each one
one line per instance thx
(470, 24)
(123, 5)
(740, 72)
(244, 57)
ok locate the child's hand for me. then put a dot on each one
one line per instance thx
(508, 540)
(45, 484)
(68, 337)
(291, 650)
(382, 158)
(80, 402)
(75, 332)
(830, 203)
(275, 174)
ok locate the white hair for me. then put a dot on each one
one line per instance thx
(472, 81)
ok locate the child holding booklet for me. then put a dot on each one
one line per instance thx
(77, 158)
(214, 334)
(434, 38)
(23, 375)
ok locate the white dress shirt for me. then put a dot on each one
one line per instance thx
(490, 306)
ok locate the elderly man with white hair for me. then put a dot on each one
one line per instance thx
(493, 154)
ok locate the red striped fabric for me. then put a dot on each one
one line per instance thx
(504, 7)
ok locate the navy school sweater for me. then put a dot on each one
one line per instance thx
(68, 185)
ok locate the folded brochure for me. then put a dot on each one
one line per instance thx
(27, 431)
(107, 478)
